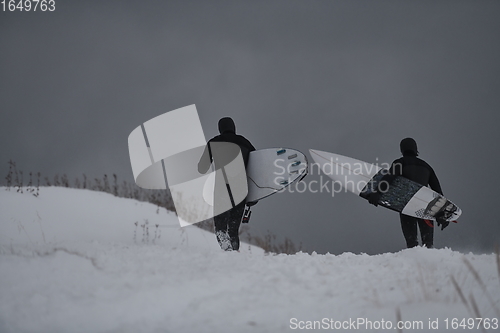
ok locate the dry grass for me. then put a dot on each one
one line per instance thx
(477, 277)
(14, 180)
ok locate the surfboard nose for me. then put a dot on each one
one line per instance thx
(315, 153)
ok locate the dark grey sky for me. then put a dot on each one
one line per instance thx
(349, 77)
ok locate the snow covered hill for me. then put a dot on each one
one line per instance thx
(74, 261)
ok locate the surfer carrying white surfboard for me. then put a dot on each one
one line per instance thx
(226, 224)
(416, 169)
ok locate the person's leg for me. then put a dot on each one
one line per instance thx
(221, 222)
(409, 227)
(234, 225)
(427, 233)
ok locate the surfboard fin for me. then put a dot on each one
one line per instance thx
(246, 215)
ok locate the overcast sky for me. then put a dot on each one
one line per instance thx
(348, 77)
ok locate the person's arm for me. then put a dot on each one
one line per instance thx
(205, 160)
(250, 148)
(249, 144)
(434, 183)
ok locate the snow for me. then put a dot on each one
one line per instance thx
(74, 261)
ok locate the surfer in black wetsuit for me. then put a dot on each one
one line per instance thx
(227, 224)
(414, 168)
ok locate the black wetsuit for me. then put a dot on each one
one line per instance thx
(413, 168)
(227, 224)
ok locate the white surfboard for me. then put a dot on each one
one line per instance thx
(272, 170)
(268, 171)
(404, 196)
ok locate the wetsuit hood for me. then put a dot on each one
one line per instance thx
(408, 146)
(226, 124)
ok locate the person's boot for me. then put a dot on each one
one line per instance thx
(224, 240)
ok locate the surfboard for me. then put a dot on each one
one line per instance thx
(268, 171)
(272, 170)
(403, 195)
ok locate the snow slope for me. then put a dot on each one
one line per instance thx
(74, 261)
